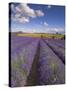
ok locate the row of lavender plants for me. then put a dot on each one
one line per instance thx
(51, 70)
(21, 63)
(57, 50)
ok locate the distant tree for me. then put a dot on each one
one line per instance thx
(41, 36)
(53, 37)
(57, 33)
(20, 32)
(63, 37)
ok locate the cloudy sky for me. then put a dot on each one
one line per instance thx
(37, 18)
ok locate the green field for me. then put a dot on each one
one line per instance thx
(43, 35)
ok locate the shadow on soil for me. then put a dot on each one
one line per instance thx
(33, 76)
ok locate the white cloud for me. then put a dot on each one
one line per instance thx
(39, 13)
(19, 18)
(30, 12)
(23, 20)
(23, 12)
(58, 30)
(54, 30)
(30, 30)
(45, 24)
(18, 9)
(17, 15)
(27, 10)
(49, 6)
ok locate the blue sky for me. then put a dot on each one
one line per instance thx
(37, 18)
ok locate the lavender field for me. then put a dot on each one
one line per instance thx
(37, 61)
(36, 44)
